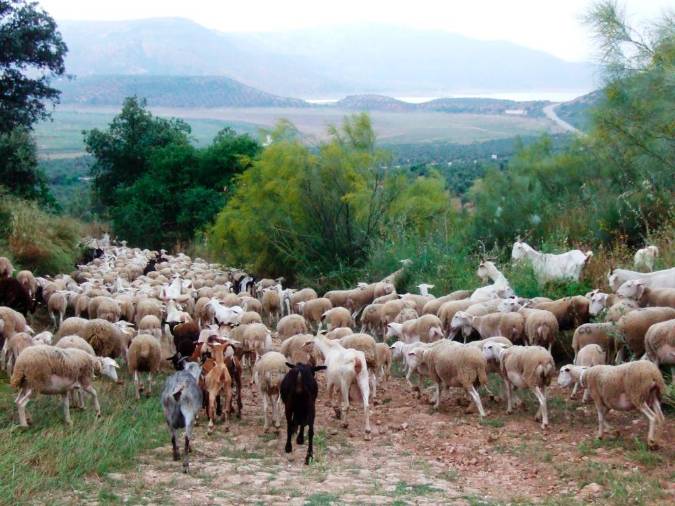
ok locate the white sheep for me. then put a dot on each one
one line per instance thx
(524, 367)
(660, 345)
(645, 258)
(51, 370)
(657, 279)
(588, 356)
(634, 385)
(268, 373)
(144, 355)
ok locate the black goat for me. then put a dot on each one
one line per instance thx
(88, 255)
(150, 266)
(14, 295)
(185, 337)
(298, 392)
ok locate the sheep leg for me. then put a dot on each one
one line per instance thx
(602, 425)
(540, 393)
(656, 407)
(91, 391)
(587, 395)
(651, 416)
(21, 402)
(264, 403)
(66, 409)
(275, 411)
(476, 400)
(436, 399)
(137, 384)
(574, 390)
(373, 383)
(149, 380)
(509, 395)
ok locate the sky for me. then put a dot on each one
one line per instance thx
(554, 26)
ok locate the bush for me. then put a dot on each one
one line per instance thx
(35, 240)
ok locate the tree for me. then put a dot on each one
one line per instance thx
(122, 152)
(19, 171)
(31, 54)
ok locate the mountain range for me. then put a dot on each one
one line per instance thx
(324, 62)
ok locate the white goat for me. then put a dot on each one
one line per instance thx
(551, 267)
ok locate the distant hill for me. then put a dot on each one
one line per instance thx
(448, 105)
(323, 62)
(576, 112)
(169, 91)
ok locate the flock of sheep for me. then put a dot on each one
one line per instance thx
(150, 310)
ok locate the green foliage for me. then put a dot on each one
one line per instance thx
(157, 187)
(32, 53)
(19, 170)
(35, 240)
(296, 211)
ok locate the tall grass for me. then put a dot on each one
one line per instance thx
(36, 240)
(51, 456)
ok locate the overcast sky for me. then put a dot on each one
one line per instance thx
(550, 25)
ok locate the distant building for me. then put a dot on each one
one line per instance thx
(494, 157)
(516, 112)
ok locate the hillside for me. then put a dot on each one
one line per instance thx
(169, 91)
(321, 62)
(576, 112)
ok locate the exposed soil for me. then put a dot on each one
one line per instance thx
(416, 456)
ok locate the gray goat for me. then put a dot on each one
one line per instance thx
(182, 400)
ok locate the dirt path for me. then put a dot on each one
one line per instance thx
(550, 113)
(415, 457)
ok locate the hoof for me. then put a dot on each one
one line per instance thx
(288, 449)
(368, 436)
(652, 445)
(345, 424)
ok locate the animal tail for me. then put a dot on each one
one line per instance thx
(145, 351)
(17, 377)
(546, 372)
(358, 366)
(542, 334)
(588, 254)
(482, 376)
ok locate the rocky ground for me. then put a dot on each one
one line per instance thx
(416, 456)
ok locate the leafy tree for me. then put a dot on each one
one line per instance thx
(122, 152)
(31, 53)
(18, 167)
(300, 211)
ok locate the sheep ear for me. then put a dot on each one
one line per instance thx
(319, 368)
(640, 288)
(289, 365)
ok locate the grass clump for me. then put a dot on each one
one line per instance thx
(52, 456)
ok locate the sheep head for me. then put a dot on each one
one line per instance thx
(394, 329)
(108, 367)
(463, 321)
(493, 351)
(570, 374)
(632, 289)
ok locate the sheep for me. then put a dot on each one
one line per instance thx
(300, 296)
(216, 382)
(104, 337)
(588, 356)
(15, 345)
(268, 374)
(6, 267)
(569, 311)
(456, 365)
(499, 290)
(75, 341)
(271, 303)
(417, 302)
(637, 290)
(433, 306)
(424, 289)
(290, 325)
(150, 324)
(15, 296)
(81, 305)
(70, 326)
(313, 309)
(386, 298)
(256, 341)
(44, 337)
(406, 314)
(366, 344)
(225, 315)
(181, 401)
(56, 307)
(147, 306)
(634, 385)
(541, 327)
(337, 317)
(509, 325)
(524, 367)
(550, 267)
(426, 328)
(657, 279)
(11, 322)
(249, 304)
(448, 310)
(50, 370)
(298, 392)
(623, 307)
(633, 326)
(660, 345)
(392, 308)
(28, 282)
(371, 319)
(397, 276)
(345, 367)
(294, 349)
(602, 334)
(250, 317)
(383, 356)
(338, 333)
(143, 355)
(645, 258)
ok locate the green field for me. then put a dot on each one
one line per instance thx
(62, 137)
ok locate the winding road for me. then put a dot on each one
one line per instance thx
(549, 111)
